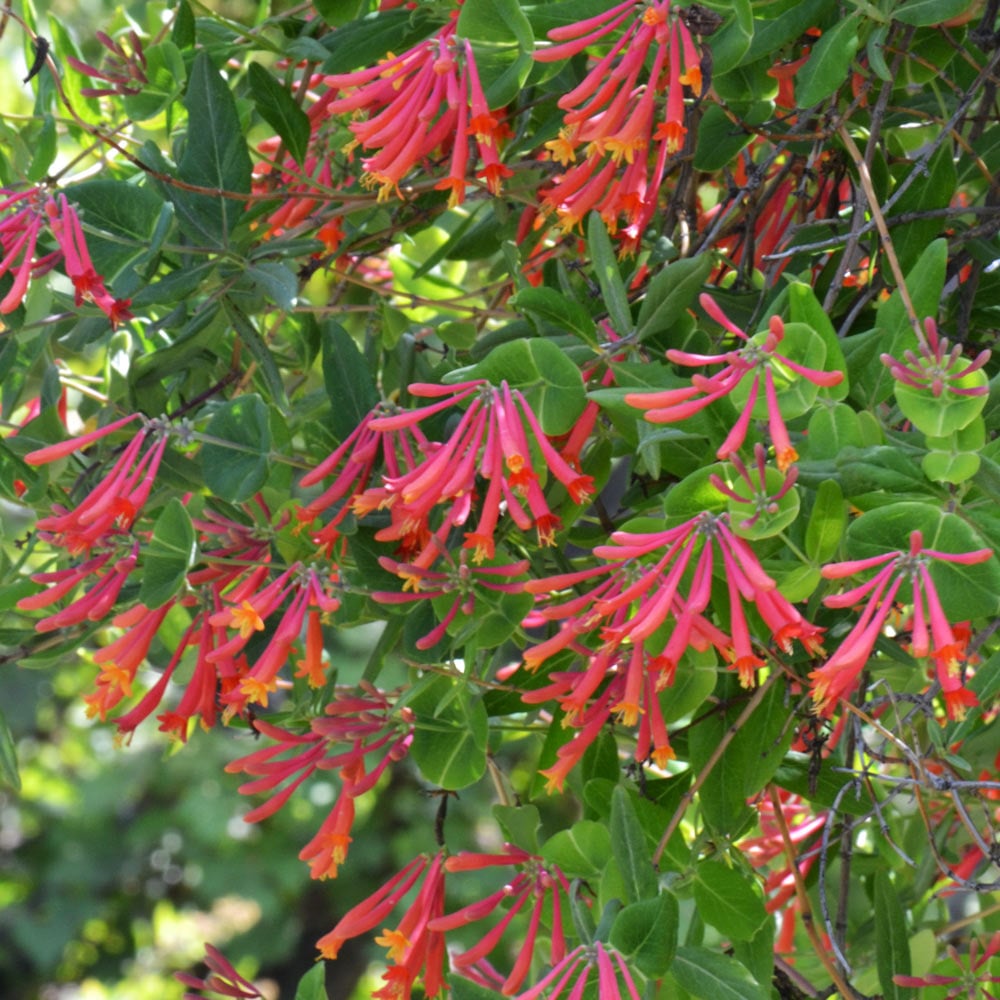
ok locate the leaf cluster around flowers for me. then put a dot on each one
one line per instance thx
(630, 366)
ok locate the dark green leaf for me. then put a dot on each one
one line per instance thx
(609, 277)
(215, 157)
(168, 557)
(728, 900)
(279, 109)
(520, 825)
(365, 42)
(547, 306)
(670, 293)
(646, 934)
(829, 64)
(628, 843)
(826, 522)
(581, 851)
(236, 467)
(892, 946)
(502, 43)
(183, 33)
(120, 221)
(731, 42)
(449, 741)
(710, 975)
(10, 777)
(347, 378)
(926, 12)
(45, 150)
(723, 795)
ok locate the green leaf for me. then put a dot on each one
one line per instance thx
(602, 255)
(922, 13)
(279, 109)
(710, 975)
(829, 64)
(786, 27)
(45, 150)
(547, 306)
(215, 156)
(965, 591)
(628, 843)
(184, 33)
(169, 555)
(365, 42)
(670, 293)
(804, 307)
(723, 794)
(934, 190)
(551, 383)
(762, 741)
(728, 900)
(718, 142)
(10, 777)
(730, 44)
(235, 467)
(832, 428)
(349, 384)
(312, 986)
(258, 350)
(826, 522)
(449, 741)
(892, 945)
(502, 44)
(582, 851)
(520, 825)
(646, 934)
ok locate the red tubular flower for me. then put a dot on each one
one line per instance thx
(838, 677)
(354, 726)
(427, 99)
(613, 115)
(580, 963)
(634, 626)
(415, 950)
(766, 853)
(112, 506)
(534, 884)
(491, 440)
(758, 357)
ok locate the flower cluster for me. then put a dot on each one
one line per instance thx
(642, 624)
(496, 438)
(614, 116)
(933, 635)
(425, 100)
(757, 362)
(354, 726)
(22, 216)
